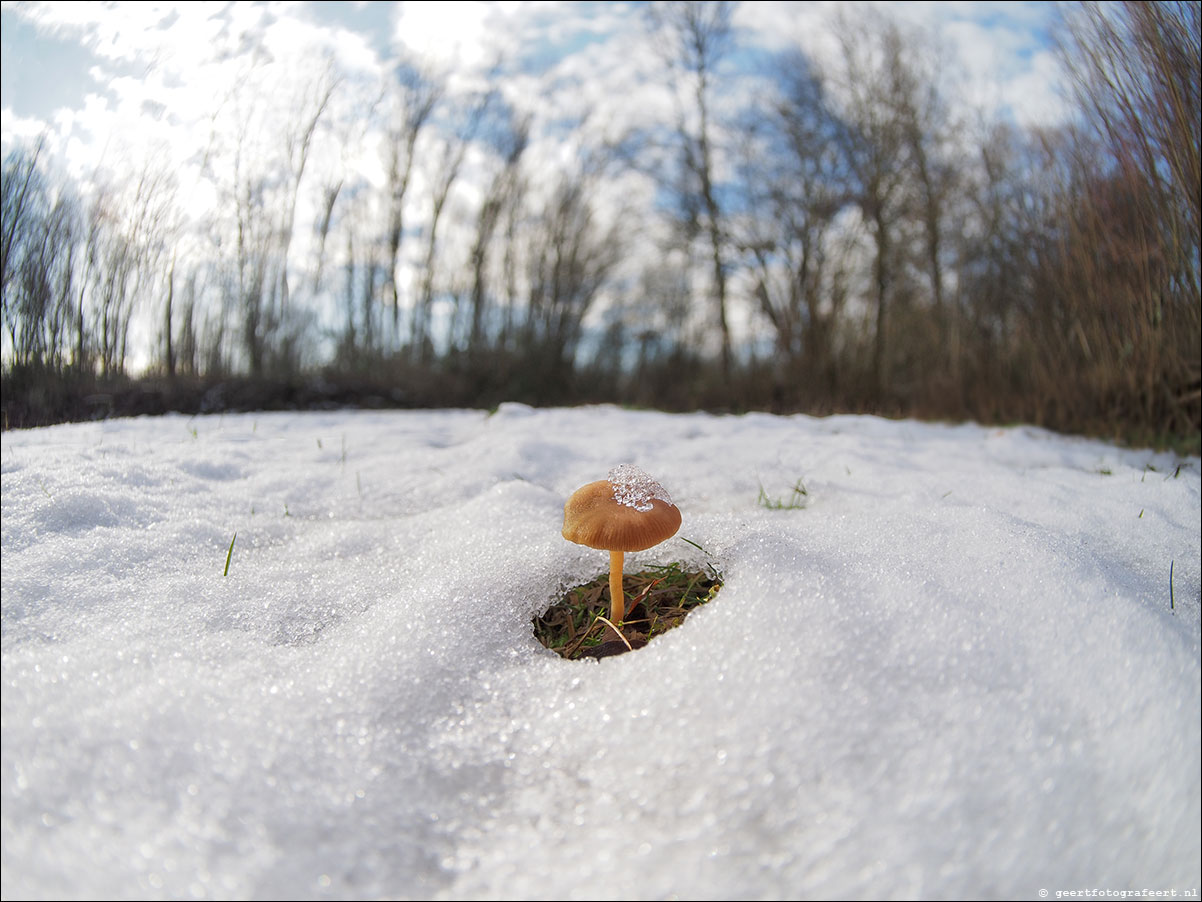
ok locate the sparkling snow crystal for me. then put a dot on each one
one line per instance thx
(634, 488)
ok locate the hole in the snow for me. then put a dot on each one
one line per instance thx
(659, 598)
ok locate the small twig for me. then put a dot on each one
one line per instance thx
(604, 620)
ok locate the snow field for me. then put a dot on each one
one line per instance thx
(954, 674)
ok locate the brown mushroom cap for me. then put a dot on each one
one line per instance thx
(593, 516)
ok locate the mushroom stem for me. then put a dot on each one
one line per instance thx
(617, 601)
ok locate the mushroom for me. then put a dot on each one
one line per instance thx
(626, 511)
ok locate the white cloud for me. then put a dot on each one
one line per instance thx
(998, 53)
(180, 61)
(15, 128)
(452, 35)
(1036, 97)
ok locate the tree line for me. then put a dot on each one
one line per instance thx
(847, 239)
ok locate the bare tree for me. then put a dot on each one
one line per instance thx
(1136, 70)
(267, 173)
(449, 155)
(24, 208)
(695, 37)
(572, 259)
(329, 198)
(363, 282)
(413, 98)
(75, 272)
(928, 127)
(186, 347)
(871, 80)
(298, 143)
(40, 268)
(795, 184)
(510, 137)
(254, 251)
(21, 185)
(993, 253)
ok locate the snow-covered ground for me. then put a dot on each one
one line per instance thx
(955, 673)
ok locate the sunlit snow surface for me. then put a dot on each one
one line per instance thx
(954, 673)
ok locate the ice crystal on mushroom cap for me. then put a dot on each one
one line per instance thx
(634, 488)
